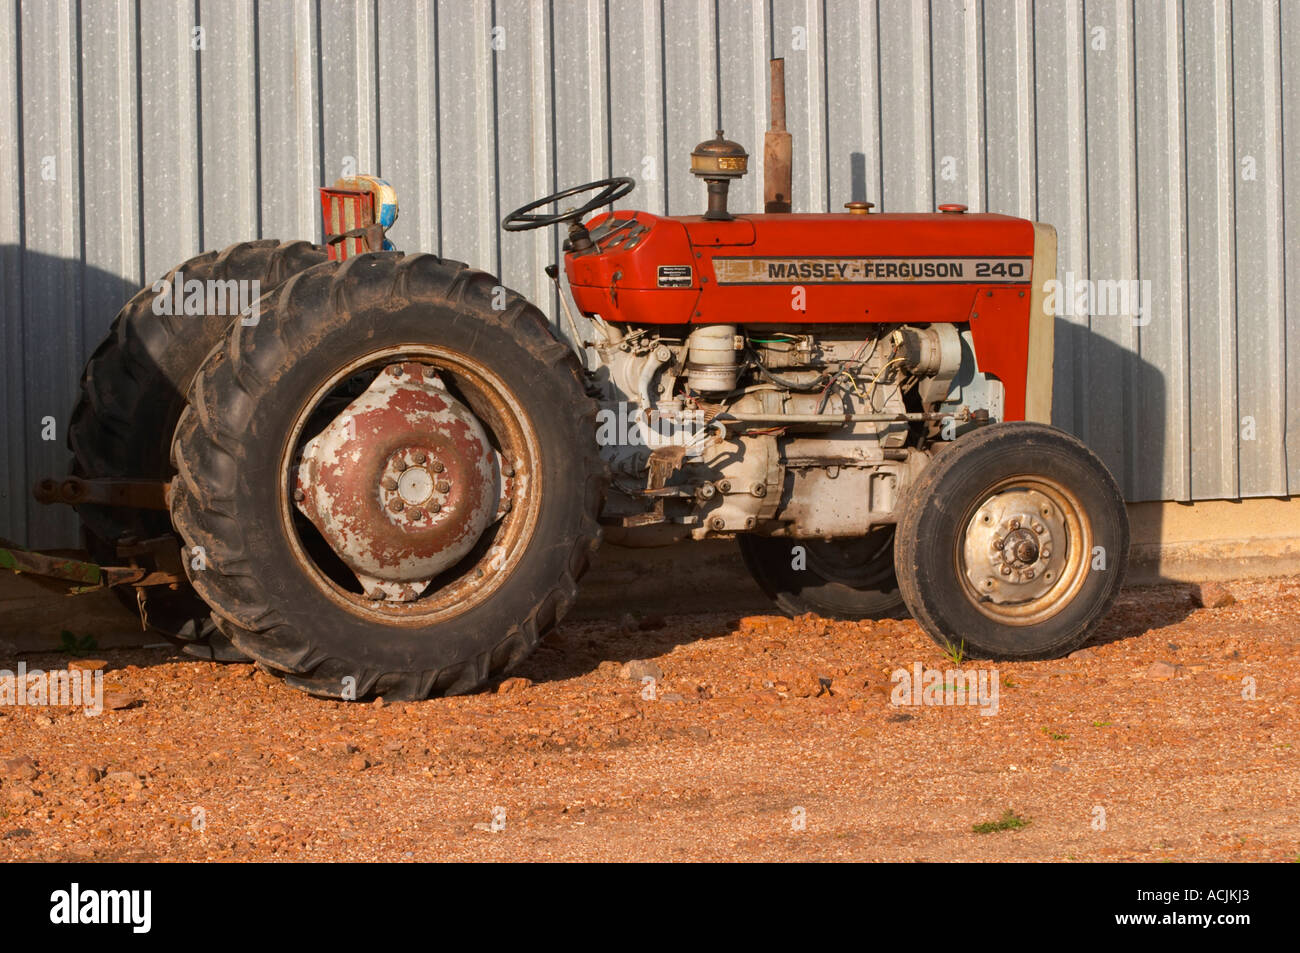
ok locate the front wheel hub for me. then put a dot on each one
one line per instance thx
(402, 483)
(1015, 546)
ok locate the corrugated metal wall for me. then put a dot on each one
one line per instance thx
(1151, 134)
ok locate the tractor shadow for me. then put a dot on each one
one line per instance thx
(638, 603)
(53, 314)
(1116, 402)
(578, 648)
(1144, 611)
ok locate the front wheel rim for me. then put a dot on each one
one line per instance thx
(1023, 551)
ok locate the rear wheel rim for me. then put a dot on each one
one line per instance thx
(503, 544)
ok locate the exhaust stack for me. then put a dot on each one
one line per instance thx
(778, 150)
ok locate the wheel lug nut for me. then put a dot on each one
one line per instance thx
(388, 483)
(1015, 524)
(435, 507)
(1045, 553)
(299, 495)
(398, 462)
(438, 466)
(998, 544)
(415, 514)
(444, 486)
(420, 456)
(505, 506)
(1038, 528)
(1006, 570)
(1029, 574)
(396, 506)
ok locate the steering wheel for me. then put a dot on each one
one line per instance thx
(611, 190)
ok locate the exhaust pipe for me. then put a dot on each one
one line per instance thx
(777, 148)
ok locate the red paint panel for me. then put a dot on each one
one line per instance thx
(622, 284)
(999, 327)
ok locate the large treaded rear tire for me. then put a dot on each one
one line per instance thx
(132, 393)
(229, 496)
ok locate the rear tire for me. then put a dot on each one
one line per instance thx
(1012, 544)
(848, 579)
(270, 580)
(132, 393)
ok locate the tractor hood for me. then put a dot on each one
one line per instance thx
(650, 269)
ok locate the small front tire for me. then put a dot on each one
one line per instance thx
(1012, 544)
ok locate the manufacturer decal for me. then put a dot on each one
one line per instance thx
(869, 271)
(675, 276)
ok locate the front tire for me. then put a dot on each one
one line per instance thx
(1012, 544)
(286, 588)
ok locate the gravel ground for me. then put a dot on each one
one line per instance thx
(743, 753)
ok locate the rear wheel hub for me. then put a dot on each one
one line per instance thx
(402, 483)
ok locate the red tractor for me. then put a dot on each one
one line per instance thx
(390, 478)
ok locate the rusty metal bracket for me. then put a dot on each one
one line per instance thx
(84, 576)
(356, 211)
(163, 551)
(664, 462)
(78, 575)
(372, 235)
(127, 494)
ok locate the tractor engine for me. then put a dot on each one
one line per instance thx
(807, 432)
